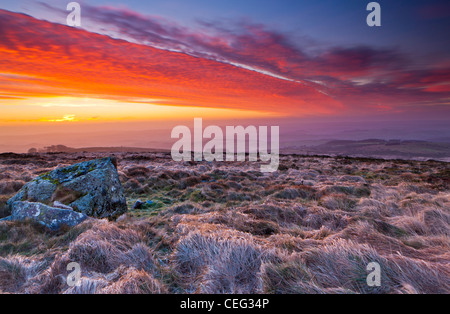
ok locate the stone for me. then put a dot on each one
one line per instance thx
(50, 217)
(6, 219)
(92, 188)
(138, 204)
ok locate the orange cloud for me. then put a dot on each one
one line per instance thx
(39, 59)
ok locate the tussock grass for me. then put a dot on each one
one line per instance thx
(312, 227)
(8, 187)
(210, 264)
(343, 263)
(15, 271)
(135, 282)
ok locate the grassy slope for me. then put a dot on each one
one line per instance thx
(226, 228)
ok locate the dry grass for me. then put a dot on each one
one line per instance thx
(210, 264)
(312, 227)
(135, 282)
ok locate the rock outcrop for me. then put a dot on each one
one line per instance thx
(50, 217)
(92, 188)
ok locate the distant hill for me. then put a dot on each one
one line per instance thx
(376, 148)
(372, 148)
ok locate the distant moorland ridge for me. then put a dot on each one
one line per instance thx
(371, 148)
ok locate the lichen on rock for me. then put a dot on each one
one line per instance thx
(50, 217)
(92, 188)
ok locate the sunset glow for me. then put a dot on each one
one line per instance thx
(128, 64)
(73, 109)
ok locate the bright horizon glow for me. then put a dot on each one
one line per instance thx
(73, 109)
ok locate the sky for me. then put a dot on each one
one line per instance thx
(147, 65)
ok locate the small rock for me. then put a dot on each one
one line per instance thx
(138, 204)
(50, 217)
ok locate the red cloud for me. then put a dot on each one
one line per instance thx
(274, 53)
(211, 70)
(69, 61)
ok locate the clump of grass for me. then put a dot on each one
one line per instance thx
(244, 223)
(209, 264)
(338, 202)
(88, 286)
(186, 208)
(359, 191)
(281, 215)
(342, 264)
(4, 209)
(197, 196)
(133, 186)
(103, 248)
(437, 221)
(317, 218)
(420, 276)
(28, 238)
(137, 172)
(189, 182)
(16, 270)
(388, 229)
(302, 192)
(411, 225)
(291, 276)
(12, 275)
(9, 187)
(135, 281)
(288, 194)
